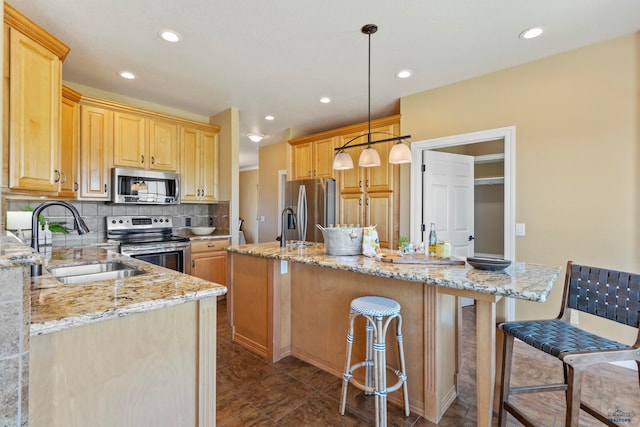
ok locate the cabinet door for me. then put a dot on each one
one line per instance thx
(351, 180)
(35, 88)
(211, 266)
(96, 129)
(69, 149)
(129, 138)
(351, 209)
(189, 164)
(302, 161)
(379, 212)
(323, 158)
(209, 167)
(163, 146)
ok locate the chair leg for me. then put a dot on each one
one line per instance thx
(379, 350)
(347, 364)
(507, 355)
(403, 368)
(369, 357)
(574, 388)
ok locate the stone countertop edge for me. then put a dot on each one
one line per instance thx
(208, 236)
(14, 253)
(56, 306)
(532, 282)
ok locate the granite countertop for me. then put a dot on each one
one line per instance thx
(56, 306)
(520, 280)
(192, 236)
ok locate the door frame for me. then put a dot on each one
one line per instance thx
(508, 134)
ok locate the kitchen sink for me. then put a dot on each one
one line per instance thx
(86, 273)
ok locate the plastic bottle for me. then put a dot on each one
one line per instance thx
(433, 240)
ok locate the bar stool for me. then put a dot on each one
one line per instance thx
(374, 309)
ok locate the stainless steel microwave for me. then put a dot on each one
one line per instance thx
(139, 186)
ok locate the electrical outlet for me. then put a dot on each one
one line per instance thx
(187, 222)
(574, 317)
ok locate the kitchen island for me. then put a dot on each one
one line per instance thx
(295, 301)
(133, 351)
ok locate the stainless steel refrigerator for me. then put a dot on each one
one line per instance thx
(313, 201)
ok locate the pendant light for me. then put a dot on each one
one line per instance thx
(400, 152)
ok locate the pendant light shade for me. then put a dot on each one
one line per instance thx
(400, 153)
(342, 161)
(369, 158)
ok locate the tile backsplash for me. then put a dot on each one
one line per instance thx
(94, 214)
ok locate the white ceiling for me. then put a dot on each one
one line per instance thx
(279, 57)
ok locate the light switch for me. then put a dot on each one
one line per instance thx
(520, 230)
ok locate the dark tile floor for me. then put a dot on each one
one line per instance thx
(254, 392)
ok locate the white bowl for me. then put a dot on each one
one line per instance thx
(202, 231)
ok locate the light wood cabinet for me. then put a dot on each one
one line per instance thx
(209, 260)
(69, 148)
(96, 139)
(198, 165)
(33, 84)
(313, 159)
(139, 142)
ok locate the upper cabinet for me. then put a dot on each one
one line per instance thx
(114, 134)
(313, 159)
(140, 142)
(70, 119)
(199, 165)
(33, 86)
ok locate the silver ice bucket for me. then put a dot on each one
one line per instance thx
(342, 240)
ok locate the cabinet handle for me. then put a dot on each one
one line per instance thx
(193, 264)
(367, 184)
(315, 172)
(75, 186)
(142, 158)
(359, 202)
(198, 192)
(64, 177)
(57, 173)
(360, 183)
(367, 202)
(105, 188)
(153, 160)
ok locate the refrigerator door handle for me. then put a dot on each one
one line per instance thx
(302, 213)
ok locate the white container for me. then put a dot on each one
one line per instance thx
(342, 240)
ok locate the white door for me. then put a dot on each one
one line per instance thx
(447, 199)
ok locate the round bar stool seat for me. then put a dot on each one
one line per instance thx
(378, 312)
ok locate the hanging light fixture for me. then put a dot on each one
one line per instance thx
(400, 152)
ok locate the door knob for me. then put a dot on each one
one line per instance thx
(471, 238)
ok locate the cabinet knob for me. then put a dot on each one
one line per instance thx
(57, 173)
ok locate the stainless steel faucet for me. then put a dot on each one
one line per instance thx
(283, 238)
(79, 224)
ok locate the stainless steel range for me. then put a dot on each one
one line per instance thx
(150, 239)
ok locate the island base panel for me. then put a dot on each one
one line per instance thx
(151, 368)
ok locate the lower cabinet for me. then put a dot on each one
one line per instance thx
(209, 260)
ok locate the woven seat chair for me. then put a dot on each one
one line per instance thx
(604, 293)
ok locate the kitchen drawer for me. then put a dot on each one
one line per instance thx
(209, 245)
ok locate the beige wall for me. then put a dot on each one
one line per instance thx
(272, 158)
(248, 204)
(577, 138)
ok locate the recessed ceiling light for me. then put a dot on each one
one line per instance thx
(170, 36)
(531, 33)
(269, 117)
(127, 75)
(255, 136)
(325, 100)
(404, 74)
